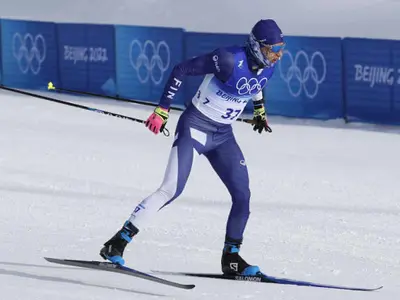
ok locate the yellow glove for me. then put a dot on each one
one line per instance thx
(260, 119)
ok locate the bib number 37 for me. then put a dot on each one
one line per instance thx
(231, 113)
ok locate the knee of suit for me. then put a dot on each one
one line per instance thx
(241, 203)
(167, 194)
(241, 197)
(170, 194)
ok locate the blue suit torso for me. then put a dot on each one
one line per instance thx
(243, 82)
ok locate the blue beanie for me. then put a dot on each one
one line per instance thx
(264, 32)
(268, 32)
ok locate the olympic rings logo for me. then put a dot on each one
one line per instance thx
(29, 51)
(251, 86)
(148, 63)
(304, 77)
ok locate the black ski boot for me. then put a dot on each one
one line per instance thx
(114, 248)
(233, 264)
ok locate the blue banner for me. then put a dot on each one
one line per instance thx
(323, 78)
(1, 55)
(145, 58)
(308, 79)
(372, 80)
(87, 57)
(29, 54)
(196, 44)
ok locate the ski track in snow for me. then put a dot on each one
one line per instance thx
(325, 206)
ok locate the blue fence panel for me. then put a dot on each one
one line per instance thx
(73, 56)
(197, 43)
(145, 58)
(307, 81)
(87, 57)
(324, 78)
(29, 51)
(395, 113)
(1, 59)
(372, 82)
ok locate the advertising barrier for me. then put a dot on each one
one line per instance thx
(1, 64)
(317, 77)
(307, 81)
(372, 80)
(87, 57)
(29, 53)
(145, 58)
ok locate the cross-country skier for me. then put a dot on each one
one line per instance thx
(233, 76)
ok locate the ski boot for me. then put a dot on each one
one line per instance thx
(114, 248)
(233, 264)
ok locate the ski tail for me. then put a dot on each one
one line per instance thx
(110, 267)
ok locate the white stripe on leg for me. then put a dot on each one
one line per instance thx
(150, 205)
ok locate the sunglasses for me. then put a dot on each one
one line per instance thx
(274, 48)
(277, 48)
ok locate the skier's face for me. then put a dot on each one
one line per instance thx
(273, 52)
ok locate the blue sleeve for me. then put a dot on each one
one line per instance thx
(219, 62)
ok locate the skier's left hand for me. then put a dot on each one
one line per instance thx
(260, 121)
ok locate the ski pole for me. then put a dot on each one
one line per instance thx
(104, 112)
(117, 98)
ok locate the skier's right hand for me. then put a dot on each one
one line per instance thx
(157, 120)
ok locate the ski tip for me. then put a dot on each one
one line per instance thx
(52, 259)
(49, 259)
(372, 289)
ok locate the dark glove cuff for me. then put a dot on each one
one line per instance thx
(258, 104)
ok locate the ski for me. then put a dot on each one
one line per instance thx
(110, 267)
(268, 279)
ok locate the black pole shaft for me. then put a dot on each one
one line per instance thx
(71, 104)
(103, 96)
(250, 121)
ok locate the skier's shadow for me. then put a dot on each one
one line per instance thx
(63, 280)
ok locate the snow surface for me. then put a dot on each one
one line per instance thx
(325, 206)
